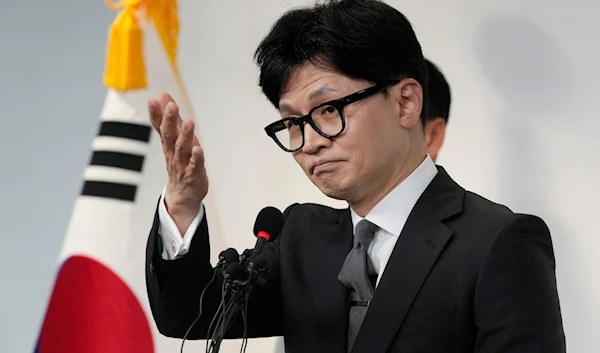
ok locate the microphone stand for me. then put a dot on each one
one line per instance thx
(239, 279)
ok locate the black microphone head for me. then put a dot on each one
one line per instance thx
(270, 221)
(234, 270)
(230, 255)
(260, 262)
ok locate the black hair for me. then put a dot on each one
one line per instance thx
(363, 39)
(439, 96)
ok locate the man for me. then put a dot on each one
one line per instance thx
(438, 109)
(414, 264)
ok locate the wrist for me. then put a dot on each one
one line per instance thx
(181, 210)
(182, 213)
(182, 216)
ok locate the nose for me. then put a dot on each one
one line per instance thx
(313, 141)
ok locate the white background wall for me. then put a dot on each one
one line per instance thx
(524, 79)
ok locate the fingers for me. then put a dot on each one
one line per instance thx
(156, 113)
(187, 181)
(169, 129)
(156, 109)
(184, 155)
(163, 99)
(184, 144)
(196, 166)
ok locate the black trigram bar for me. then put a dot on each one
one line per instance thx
(125, 130)
(121, 160)
(109, 190)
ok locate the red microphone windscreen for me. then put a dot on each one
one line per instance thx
(264, 235)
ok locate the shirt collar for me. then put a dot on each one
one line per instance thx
(391, 213)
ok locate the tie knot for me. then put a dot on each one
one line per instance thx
(364, 232)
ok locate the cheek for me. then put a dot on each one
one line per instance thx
(298, 158)
(374, 144)
(360, 145)
(302, 161)
(364, 137)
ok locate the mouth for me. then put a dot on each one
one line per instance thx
(324, 166)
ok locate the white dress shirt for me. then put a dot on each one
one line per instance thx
(174, 245)
(390, 215)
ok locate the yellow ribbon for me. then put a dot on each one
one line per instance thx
(125, 68)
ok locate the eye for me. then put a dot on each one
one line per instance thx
(328, 109)
(291, 123)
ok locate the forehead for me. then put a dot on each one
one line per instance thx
(308, 83)
(305, 75)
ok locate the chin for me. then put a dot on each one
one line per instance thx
(332, 190)
(335, 196)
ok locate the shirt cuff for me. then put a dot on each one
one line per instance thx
(175, 245)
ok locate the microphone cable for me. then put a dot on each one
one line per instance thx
(231, 292)
(209, 338)
(245, 318)
(199, 310)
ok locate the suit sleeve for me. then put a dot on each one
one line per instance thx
(174, 288)
(516, 300)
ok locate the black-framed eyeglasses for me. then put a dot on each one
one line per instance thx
(327, 119)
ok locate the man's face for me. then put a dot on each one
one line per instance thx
(375, 143)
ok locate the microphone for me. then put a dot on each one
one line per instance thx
(267, 227)
(234, 271)
(260, 266)
(260, 262)
(228, 256)
(245, 255)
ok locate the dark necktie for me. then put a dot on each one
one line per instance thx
(355, 274)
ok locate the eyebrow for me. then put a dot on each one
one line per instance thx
(321, 91)
(286, 108)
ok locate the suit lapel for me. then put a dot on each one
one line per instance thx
(421, 242)
(328, 252)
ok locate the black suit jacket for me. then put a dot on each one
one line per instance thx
(466, 275)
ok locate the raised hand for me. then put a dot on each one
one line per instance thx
(188, 182)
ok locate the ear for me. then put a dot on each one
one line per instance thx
(409, 95)
(435, 131)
